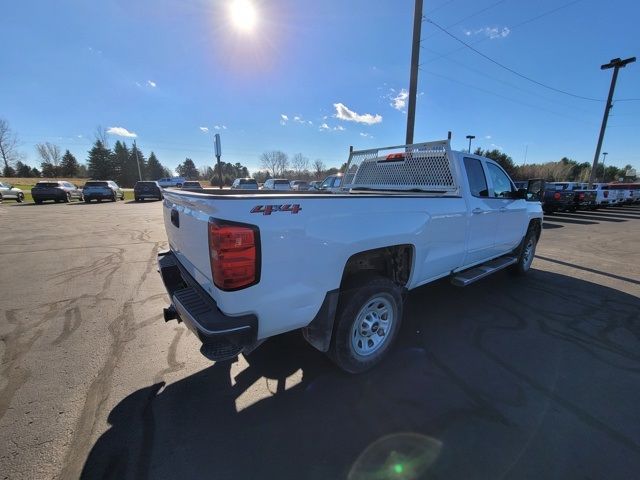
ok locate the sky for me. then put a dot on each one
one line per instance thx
(318, 76)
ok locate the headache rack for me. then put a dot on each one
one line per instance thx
(417, 167)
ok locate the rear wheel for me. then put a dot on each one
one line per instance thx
(114, 197)
(367, 323)
(87, 200)
(20, 197)
(526, 253)
(38, 201)
(67, 198)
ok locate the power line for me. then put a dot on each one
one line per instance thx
(474, 14)
(510, 69)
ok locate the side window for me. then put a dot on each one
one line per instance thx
(502, 187)
(337, 181)
(477, 180)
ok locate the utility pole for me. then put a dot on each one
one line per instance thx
(135, 149)
(470, 137)
(526, 150)
(413, 79)
(616, 64)
(218, 150)
(604, 157)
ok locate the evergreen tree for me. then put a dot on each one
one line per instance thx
(154, 169)
(100, 164)
(122, 172)
(68, 165)
(82, 171)
(8, 171)
(23, 170)
(131, 173)
(187, 169)
(35, 172)
(49, 170)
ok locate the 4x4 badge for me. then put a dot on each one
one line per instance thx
(269, 209)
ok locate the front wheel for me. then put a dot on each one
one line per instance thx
(367, 323)
(527, 251)
(20, 198)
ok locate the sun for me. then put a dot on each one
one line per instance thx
(243, 14)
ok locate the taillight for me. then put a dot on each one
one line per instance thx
(234, 250)
(581, 196)
(556, 195)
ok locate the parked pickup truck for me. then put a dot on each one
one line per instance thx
(237, 267)
(583, 197)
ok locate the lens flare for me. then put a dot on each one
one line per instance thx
(243, 15)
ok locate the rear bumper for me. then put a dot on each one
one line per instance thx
(96, 195)
(147, 194)
(223, 337)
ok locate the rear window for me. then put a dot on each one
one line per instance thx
(281, 182)
(47, 184)
(248, 181)
(146, 184)
(477, 180)
(96, 184)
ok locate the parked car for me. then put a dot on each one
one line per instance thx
(299, 185)
(463, 219)
(102, 190)
(171, 182)
(603, 197)
(192, 184)
(58, 191)
(583, 198)
(315, 185)
(147, 189)
(331, 183)
(9, 192)
(277, 184)
(244, 184)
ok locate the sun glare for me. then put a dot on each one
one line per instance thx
(243, 14)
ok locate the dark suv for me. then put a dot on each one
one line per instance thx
(143, 190)
(102, 190)
(58, 191)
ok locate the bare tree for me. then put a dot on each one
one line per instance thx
(102, 135)
(299, 163)
(49, 153)
(8, 145)
(319, 167)
(275, 162)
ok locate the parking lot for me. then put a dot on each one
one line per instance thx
(534, 377)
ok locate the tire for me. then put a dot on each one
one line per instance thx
(38, 202)
(67, 198)
(87, 200)
(114, 198)
(526, 252)
(99, 200)
(359, 321)
(20, 198)
(136, 199)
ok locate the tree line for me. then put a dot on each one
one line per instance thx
(277, 164)
(563, 170)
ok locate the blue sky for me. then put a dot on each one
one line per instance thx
(167, 71)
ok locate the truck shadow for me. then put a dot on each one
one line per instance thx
(531, 377)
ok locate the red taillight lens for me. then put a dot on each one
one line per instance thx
(234, 252)
(556, 195)
(581, 196)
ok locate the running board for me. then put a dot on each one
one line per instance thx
(467, 277)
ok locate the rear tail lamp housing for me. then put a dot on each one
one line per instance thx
(556, 195)
(234, 251)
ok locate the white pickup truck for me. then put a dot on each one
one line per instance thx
(243, 267)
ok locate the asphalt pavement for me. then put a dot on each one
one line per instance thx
(515, 378)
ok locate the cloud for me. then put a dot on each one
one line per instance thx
(497, 147)
(366, 135)
(491, 32)
(324, 126)
(343, 113)
(151, 83)
(298, 119)
(487, 137)
(399, 102)
(220, 127)
(339, 128)
(309, 122)
(204, 129)
(121, 132)
(79, 136)
(283, 119)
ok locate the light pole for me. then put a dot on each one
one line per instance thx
(470, 137)
(604, 157)
(413, 75)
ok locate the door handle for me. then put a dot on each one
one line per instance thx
(477, 211)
